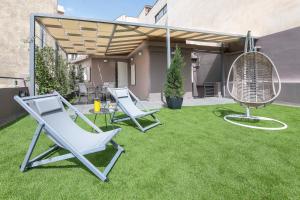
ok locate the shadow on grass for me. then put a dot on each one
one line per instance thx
(98, 159)
(109, 127)
(222, 112)
(143, 121)
(14, 121)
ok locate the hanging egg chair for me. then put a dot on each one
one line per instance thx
(253, 81)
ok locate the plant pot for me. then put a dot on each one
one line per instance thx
(174, 102)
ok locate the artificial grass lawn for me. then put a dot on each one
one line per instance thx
(195, 154)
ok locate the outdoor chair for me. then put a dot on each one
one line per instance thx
(86, 91)
(52, 118)
(127, 102)
(254, 80)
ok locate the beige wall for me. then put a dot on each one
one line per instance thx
(158, 69)
(150, 17)
(86, 64)
(108, 71)
(263, 17)
(142, 72)
(14, 33)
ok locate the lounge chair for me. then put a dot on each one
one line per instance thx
(127, 102)
(53, 119)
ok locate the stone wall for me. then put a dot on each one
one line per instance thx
(14, 34)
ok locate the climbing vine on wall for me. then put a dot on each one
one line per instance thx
(51, 71)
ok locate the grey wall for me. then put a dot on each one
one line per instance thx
(228, 60)
(210, 68)
(108, 70)
(10, 109)
(158, 69)
(142, 72)
(284, 49)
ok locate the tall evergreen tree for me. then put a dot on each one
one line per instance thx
(174, 82)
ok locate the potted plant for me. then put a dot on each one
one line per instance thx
(174, 84)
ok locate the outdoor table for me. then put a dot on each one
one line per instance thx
(103, 111)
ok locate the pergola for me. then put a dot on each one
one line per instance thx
(112, 38)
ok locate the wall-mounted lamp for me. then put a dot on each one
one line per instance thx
(105, 61)
(131, 59)
(140, 53)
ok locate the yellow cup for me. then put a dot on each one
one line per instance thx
(97, 105)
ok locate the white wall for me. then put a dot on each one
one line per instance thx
(263, 17)
(150, 17)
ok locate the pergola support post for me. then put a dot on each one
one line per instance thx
(32, 56)
(168, 47)
(223, 84)
(56, 54)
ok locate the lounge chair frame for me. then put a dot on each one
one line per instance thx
(129, 116)
(43, 126)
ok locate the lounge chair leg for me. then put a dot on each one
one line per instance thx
(155, 118)
(90, 166)
(112, 118)
(138, 124)
(31, 147)
(43, 155)
(113, 160)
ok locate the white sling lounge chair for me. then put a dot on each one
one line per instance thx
(51, 116)
(127, 102)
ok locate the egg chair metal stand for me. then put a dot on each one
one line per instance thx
(252, 81)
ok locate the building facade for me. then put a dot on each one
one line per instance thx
(274, 23)
(14, 37)
(235, 16)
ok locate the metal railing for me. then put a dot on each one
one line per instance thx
(16, 83)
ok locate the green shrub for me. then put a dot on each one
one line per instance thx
(44, 65)
(72, 77)
(51, 74)
(61, 76)
(80, 76)
(174, 82)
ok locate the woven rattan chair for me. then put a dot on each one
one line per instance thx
(252, 81)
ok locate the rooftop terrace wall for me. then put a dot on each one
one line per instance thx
(14, 37)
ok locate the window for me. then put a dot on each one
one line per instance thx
(161, 13)
(132, 74)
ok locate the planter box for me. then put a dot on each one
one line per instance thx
(174, 102)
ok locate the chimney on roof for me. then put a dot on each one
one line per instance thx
(147, 9)
(60, 9)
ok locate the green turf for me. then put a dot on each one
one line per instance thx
(195, 154)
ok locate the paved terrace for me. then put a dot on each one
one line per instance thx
(84, 108)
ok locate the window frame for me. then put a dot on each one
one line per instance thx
(161, 13)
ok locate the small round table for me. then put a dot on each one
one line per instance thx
(103, 111)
